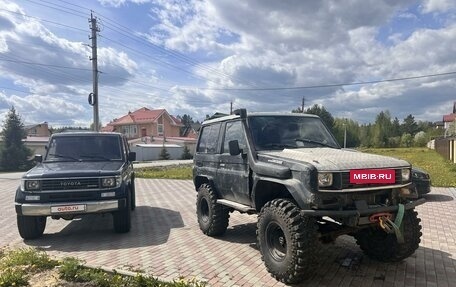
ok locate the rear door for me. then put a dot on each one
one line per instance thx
(208, 150)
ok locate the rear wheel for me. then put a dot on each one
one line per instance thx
(31, 227)
(287, 240)
(213, 218)
(122, 217)
(382, 246)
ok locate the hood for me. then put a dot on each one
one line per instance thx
(75, 169)
(330, 159)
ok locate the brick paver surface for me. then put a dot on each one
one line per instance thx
(165, 241)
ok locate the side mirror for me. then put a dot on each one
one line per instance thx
(234, 147)
(38, 158)
(131, 156)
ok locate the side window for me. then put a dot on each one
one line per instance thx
(209, 138)
(234, 131)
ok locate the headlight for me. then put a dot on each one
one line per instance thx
(31, 185)
(325, 179)
(108, 182)
(405, 174)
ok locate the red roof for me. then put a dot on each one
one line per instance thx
(144, 115)
(449, 118)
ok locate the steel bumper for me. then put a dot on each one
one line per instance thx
(44, 209)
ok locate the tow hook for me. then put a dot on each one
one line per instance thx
(389, 226)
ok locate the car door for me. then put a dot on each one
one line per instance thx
(207, 152)
(233, 171)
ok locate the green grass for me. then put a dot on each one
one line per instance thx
(17, 266)
(442, 171)
(167, 172)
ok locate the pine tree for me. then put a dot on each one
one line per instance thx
(164, 155)
(186, 153)
(14, 153)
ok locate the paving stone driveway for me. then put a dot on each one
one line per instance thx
(165, 241)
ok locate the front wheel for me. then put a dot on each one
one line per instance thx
(287, 240)
(213, 218)
(122, 217)
(31, 227)
(383, 246)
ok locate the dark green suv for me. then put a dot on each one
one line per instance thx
(306, 190)
(81, 173)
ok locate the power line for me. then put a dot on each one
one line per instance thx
(44, 65)
(43, 20)
(60, 8)
(172, 53)
(329, 85)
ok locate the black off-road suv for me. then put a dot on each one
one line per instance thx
(81, 173)
(306, 190)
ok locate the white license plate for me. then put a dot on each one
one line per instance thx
(68, 208)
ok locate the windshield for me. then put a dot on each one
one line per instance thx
(279, 132)
(84, 148)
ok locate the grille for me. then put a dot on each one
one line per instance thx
(70, 184)
(343, 181)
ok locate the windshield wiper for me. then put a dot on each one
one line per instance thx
(278, 145)
(95, 156)
(64, 156)
(313, 141)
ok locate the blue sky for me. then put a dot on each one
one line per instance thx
(196, 56)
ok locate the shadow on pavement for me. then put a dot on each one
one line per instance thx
(150, 226)
(350, 267)
(243, 233)
(437, 197)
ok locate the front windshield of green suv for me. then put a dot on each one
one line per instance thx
(84, 148)
(280, 132)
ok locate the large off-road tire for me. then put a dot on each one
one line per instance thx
(379, 245)
(212, 217)
(122, 218)
(287, 241)
(31, 227)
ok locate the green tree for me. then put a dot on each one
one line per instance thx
(396, 128)
(164, 155)
(406, 140)
(410, 126)
(186, 153)
(382, 129)
(14, 154)
(321, 111)
(353, 131)
(186, 121)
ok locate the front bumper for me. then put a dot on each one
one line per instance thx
(359, 216)
(44, 209)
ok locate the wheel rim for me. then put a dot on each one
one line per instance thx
(276, 241)
(204, 210)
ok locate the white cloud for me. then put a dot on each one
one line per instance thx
(430, 6)
(244, 44)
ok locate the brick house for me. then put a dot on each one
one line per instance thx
(37, 130)
(146, 123)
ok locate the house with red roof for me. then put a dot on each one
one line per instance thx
(449, 118)
(146, 123)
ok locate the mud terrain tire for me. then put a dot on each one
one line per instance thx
(212, 217)
(287, 241)
(31, 227)
(382, 246)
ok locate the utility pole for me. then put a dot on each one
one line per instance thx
(231, 107)
(93, 97)
(302, 106)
